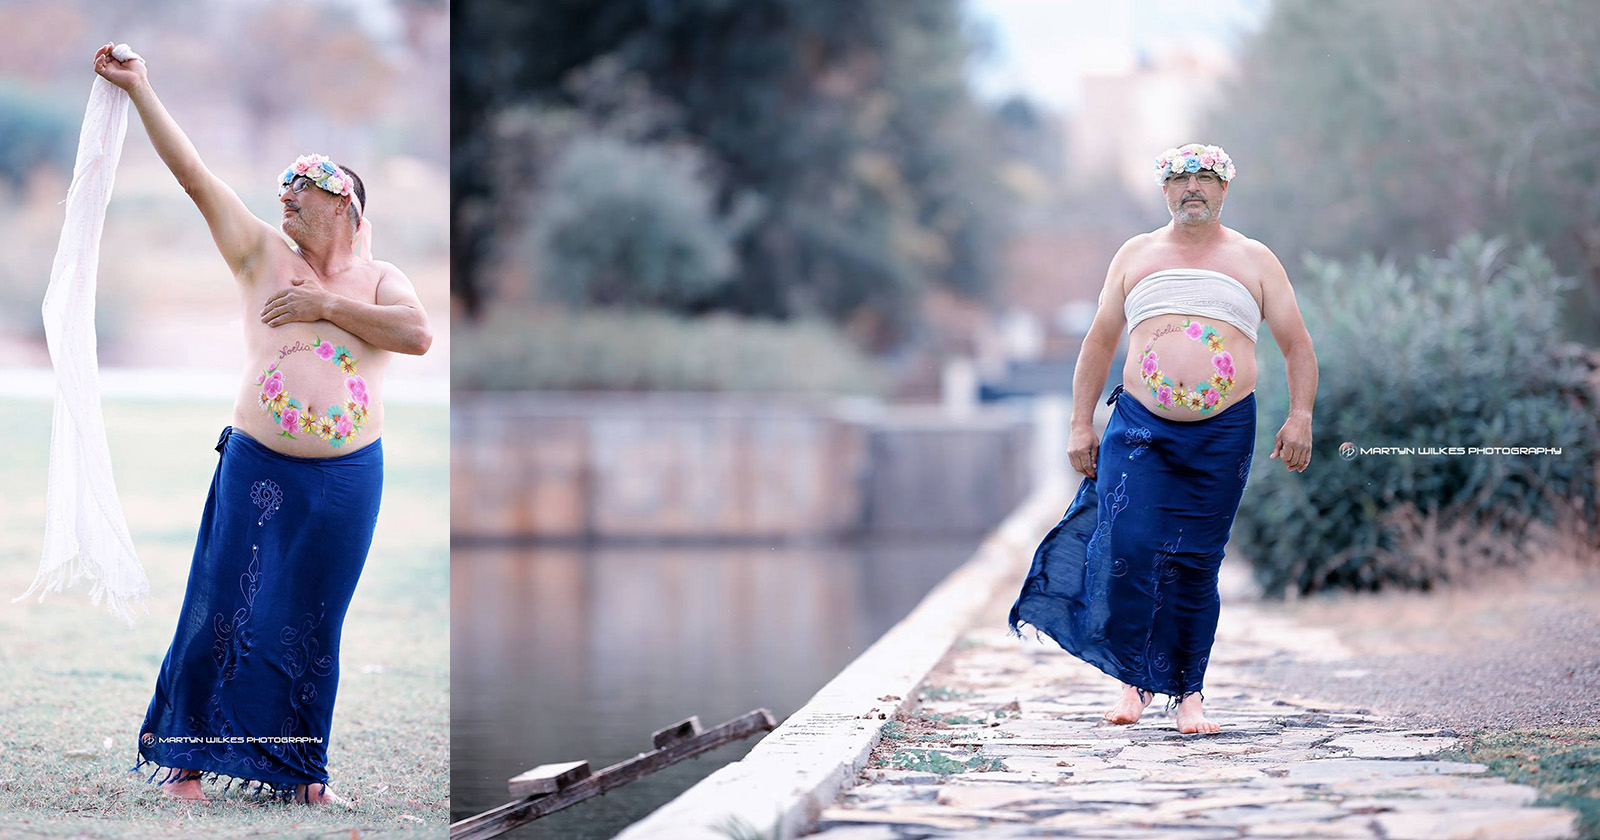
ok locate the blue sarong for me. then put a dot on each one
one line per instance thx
(1127, 581)
(247, 688)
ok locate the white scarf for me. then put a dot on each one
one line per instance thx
(85, 534)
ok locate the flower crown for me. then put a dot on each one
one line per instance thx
(323, 173)
(1193, 158)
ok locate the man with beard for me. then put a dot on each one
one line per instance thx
(1127, 581)
(247, 688)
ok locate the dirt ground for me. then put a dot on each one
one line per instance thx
(1515, 650)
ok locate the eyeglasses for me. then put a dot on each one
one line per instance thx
(1205, 177)
(297, 185)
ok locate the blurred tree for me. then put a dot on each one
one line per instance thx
(849, 125)
(632, 226)
(1396, 127)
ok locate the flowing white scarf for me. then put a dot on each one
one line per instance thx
(85, 534)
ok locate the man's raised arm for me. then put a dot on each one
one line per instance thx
(238, 233)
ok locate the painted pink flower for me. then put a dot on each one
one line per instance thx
(1148, 368)
(356, 384)
(1164, 395)
(342, 426)
(1211, 398)
(1193, 330)
(291, 420)
(324, 351)
(1223, 362)
(273, 386)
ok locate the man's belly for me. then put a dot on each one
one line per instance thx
(311, 392)
(1189, 367)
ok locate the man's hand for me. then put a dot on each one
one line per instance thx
(1083, 449)
(1292, 444)
(305, 301)
(124, 74)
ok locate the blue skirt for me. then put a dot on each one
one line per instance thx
(1127, 581)
(247, 688)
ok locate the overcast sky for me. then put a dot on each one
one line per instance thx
(1042, 48)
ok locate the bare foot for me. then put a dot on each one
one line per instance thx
(1192, 718)
(318, 794)
(1130, 706)
(188, 789)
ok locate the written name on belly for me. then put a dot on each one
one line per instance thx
(335, 424)
(1206, 396)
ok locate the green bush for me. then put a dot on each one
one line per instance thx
(629, 225)
(598, 350)
(1461, 351)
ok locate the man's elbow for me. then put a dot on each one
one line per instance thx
(421, 340)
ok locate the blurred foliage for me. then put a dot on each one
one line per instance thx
(844, 131)
(35, 131)
(671, 253)
(1460, 351)
(1441, 118)
(653, 351)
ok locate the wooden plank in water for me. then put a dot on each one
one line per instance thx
(683, 729)
(497, 821)
(548, 778)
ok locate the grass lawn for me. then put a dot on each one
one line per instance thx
(75, 681)
(1563, 763)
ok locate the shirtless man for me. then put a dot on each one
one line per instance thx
(291, 511)
(1196, 291)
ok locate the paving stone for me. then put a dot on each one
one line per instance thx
(1386, 745)
(1347, 769)
(977, 796)
(859, 832)
(1466, 822)
(1348, 827)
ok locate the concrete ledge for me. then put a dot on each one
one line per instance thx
(801, 767)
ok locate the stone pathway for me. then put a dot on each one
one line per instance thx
(1008, 741)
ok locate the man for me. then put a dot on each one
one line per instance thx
(1127, 581)
(247, 688)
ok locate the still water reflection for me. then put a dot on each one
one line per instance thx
(564, 654)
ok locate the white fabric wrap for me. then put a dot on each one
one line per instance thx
(1193, 291)
(85, 536)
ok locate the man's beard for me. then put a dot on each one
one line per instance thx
(294, 227)
(1184, 214)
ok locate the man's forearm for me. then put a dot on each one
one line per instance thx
(1088, 380)
(170, 143)
(1300, 365)
(397, 328)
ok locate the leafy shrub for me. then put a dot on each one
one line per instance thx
(629, 225)
(1461, 351)
(601, 350)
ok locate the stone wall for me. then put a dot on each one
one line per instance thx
(697, 467)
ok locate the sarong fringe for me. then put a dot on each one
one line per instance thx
(273, 790)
